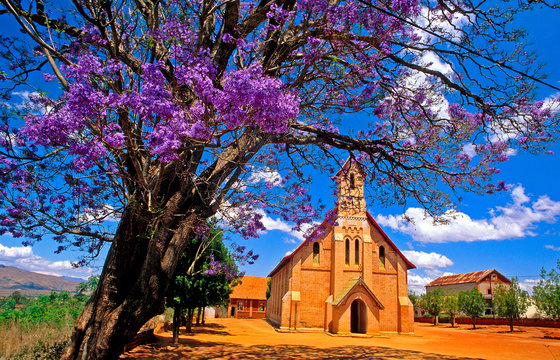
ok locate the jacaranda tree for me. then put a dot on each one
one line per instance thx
(162, 113)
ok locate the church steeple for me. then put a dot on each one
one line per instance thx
(350, 189)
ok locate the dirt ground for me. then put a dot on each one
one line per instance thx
(256, 339)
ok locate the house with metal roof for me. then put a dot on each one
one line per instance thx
(348, 277)
(485, 281)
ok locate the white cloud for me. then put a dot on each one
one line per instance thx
(417, 282)
(24, 258)
(106, 213)
(277, 224)
(442, 23)
(506, 222)
(470, 150)
(552, 247)
(267, 175)
(528, 284)
(427, 260)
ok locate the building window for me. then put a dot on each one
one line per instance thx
(381, 257)
(240, 306)
(347, 253)
(261, 307)
(352, 182)
(357, 252)
(316, 253)
(489, 291)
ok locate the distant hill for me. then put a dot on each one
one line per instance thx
(31, 283)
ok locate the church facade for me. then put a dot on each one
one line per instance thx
(351, 279)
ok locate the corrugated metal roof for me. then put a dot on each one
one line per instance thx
(472, 277)
(251, 287)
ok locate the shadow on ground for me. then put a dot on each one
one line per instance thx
(212, 329)
(194, 350)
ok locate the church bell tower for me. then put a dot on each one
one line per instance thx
(350, 189)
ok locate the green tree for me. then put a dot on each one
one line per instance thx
(204, 276)
(546, 294)
(85, 288)
(472, 303)
(432, 302)
(414, 298)
(510, 302)
(451, 306)
(268, 289)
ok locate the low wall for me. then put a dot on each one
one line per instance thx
(498, 321)
(140, 338)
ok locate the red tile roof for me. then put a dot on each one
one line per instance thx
(251, 287)
(472, 277)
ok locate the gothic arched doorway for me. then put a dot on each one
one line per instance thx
(358, 317)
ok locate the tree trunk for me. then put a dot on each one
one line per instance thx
(203, 313)
(474, 323)
(198, 313)
(176, 323)
(131, 288)
(452, 320)
(435, 320)
(188, 325)
(511, 324)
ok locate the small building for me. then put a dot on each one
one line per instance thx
(485, 281)
(351, 278)
(248, 299)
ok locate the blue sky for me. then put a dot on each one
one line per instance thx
(516, 232)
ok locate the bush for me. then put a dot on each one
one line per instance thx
(34, 328)
(444, 319)
(43, 351)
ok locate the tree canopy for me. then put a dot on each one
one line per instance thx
(510, 302)
(472, 303)
(433, 301)
(168, 112)
(546, 294)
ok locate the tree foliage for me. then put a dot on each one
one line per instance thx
(204, 277)
(451, 306)
(414, 298)
(167, 112)
(432, 302)
(510, 302)
(472, 303)
(84, 289)
(60, 309)
(546, 294)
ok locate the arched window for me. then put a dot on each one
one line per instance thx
(381, 257)
(315, 253)
(357, 252)
(347, 253)
(352, 182)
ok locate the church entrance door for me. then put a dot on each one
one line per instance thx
(358, 317)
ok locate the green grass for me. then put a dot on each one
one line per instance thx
(37, 328)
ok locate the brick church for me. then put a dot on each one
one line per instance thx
(352, 279)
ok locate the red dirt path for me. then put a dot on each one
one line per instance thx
(256, 339)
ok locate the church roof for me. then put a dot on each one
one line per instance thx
(471, 277)
(348, 289)
(251, 287)
(287, 258)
